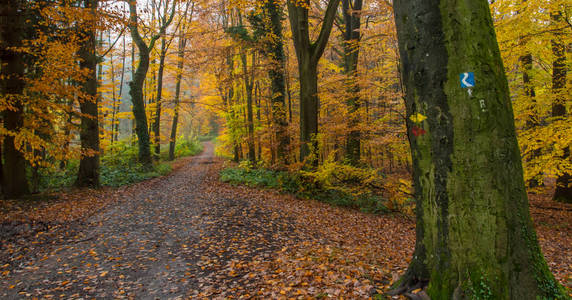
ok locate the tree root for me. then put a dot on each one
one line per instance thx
(412, 288)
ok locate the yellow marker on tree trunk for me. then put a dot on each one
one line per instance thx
(418, 118)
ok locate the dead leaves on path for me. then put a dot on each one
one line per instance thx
(260, 244)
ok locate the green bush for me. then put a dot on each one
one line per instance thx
(184, 147)
(119, 167)
(355, 189)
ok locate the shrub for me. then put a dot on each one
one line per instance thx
(334, 183)
(119, 167)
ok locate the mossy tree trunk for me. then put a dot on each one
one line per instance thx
(308, 54)
(351, 35)
(275, 51)
(563, 191)
(475, 238)
(136, 85)
(14, 183)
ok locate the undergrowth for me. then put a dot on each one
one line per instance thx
(333, 183)
(119, 166)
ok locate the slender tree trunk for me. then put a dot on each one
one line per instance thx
(308, 54)
(157, 122)
(88, 174)
(475, 238)
(180, 65)
(563, 192)
(249, 86)
(258, 117)
(12, 86)
(532, 120)
(1, 168)
(352, 34)
(113, 94)
(122, 81)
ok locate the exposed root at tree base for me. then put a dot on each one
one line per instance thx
(412, 288)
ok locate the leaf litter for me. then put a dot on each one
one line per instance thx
(187, 235)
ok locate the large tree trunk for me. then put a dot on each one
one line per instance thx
(12, 86)
(309, 109)
(475, 238)
(563, 191)
(157, 121)
(276, 74)
(136, 89)
(88, 174)
(352, 20)
(308, 54)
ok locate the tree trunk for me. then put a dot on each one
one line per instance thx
(309, 109)
(180, 65)
(249, 86)
(308, 54)
(475, 238)
(532, 120)
(12, 86)
(116, 136)
(258, 117)
(276, 74)
(88, 174)
(136, 85)
(113, 94)
(157, 122)
(352, 34)
(15, 183)
(563, 191)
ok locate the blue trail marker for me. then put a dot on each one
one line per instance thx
(467, 80)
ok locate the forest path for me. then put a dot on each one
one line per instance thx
(188, 235)
(173, 236)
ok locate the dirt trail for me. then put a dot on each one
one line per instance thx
(187, 235)
(170, 238)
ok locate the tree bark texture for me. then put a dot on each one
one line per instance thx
(308, 54)
(14, 183)
(352, 20)
(475, 238)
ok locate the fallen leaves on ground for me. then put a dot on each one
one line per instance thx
(189, 235)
